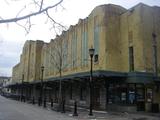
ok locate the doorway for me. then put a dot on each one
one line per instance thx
(96, 98)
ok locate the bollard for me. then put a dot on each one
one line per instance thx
(51, 102)
(24, 98)
(39, 101)
(44, 103)
(75, 109)
(20, 98)
(33, 101)
(63, 106)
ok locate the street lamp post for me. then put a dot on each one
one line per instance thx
(91, 53)
(41, 90)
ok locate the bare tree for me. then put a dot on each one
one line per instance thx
(25, 13)
(58, 53)
(59, 59)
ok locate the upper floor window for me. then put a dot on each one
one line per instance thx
(96, 38)
(131, 58)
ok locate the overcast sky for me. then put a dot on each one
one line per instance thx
(12, 36)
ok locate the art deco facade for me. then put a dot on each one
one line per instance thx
(124, 62)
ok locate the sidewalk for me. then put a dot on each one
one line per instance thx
(104, 115)
(97, 115)
(101, 115)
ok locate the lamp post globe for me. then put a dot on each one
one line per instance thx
(91, 52)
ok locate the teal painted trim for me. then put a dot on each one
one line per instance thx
(140, 77)
(131, 77)
(65, 53)
(96, 39)
(74, 49)
(83, 50)
(86, 48)
(85, 53)
(140, 74)
(98, 73)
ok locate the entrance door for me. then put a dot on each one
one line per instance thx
(140, 95)
(96, 98)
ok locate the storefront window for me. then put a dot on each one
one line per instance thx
(128, 93)
(117, 94)
(149, 95)
(123, 96)
(110, 94)
(131, 94)
(140, 94)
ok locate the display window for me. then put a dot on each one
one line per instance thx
(140, 94)
(117, 94)
(149, 95)
(127, 93)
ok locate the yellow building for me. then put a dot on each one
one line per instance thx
(125, 62)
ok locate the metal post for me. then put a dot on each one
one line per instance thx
(33, 101)
(90, 86)
(22, 87)
(24, 99)
(41, 90)
(33, 95)
(91, 52)
(39, 101)
(75, 109)
(44, 103)
(63, 106)
(51, 102)
(44, 95)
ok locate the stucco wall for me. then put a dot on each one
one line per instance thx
(117, 29)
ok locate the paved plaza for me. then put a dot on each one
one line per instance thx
(16, 110)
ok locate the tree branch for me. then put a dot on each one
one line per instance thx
(41, 5)
(30, 15)
(20, 11)
(54, 22)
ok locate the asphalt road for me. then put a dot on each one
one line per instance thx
(15, 110)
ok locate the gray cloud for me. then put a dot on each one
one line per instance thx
(9, 55)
